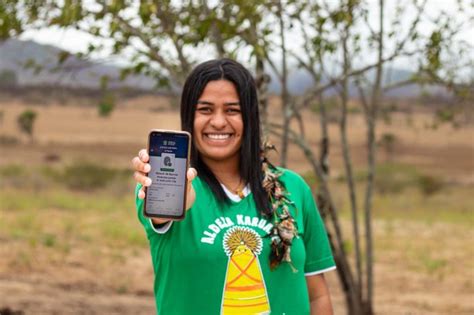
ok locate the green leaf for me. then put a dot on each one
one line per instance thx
(139, 67)
(145, 12)
(63, 56)
(124, 73)
(104, 82)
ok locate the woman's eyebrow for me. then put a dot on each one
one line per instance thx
(201, 102)
(231, 103)
(205, 102)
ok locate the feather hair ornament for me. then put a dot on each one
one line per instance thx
(284, 226)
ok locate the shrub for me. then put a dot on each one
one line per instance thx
(86, 176)
(429, 184)
(26, 121)
(106, 105)
(8, 140)
(49, 240)
(331, 104)
(387, 143)
(445, 115)
(12, 170)
(21, 177)
(393, 177)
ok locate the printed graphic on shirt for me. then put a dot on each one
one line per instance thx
(244, 288)
(221, 223)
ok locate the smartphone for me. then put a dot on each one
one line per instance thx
(169, 160)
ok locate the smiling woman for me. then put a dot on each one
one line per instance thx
(253, 241)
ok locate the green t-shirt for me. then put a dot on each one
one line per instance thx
(216, 261)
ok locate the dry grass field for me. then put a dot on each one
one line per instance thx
(70, 242)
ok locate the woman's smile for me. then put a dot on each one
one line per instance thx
(218, 136)
(218, 139)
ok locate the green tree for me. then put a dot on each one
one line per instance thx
(106, 105)
(8, 78)
(26, 121)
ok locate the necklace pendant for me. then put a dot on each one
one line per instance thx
(240, 193)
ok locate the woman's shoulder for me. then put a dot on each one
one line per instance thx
(298, 191)
(292, 179)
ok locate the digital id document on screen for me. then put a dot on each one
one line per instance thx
(168, 155)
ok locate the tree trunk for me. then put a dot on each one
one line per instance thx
(286, 108)
(371, 141)
(262, 80)
(368, 216)
(330, 217)
(324, 150)
(348, 162)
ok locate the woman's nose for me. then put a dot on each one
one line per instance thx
(218, 120)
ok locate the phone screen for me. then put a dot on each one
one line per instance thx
(168, 160)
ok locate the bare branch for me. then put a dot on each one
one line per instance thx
(331, 83)
(152, 49)
(399, 84)
(363, 98)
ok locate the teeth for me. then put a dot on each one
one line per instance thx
(218, 136)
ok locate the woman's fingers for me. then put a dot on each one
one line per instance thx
(145, 181)
(141, 193)
(140, 166)
(143, 155)
(142, 179)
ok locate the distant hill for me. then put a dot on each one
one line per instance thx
(14, 54)
(300, 81)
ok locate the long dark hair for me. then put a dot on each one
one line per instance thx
(250, 151)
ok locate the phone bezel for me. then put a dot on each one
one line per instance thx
(164, 216)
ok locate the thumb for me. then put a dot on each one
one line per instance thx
(191, 194)
(191, 174)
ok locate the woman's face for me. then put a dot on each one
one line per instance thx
(218, 125)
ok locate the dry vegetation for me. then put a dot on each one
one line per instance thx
(70, 242)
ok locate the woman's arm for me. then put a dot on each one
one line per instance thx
(319, 297)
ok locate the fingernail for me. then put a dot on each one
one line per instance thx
(148, 182)
(147, 168)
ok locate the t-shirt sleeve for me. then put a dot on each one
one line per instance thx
(318, 251)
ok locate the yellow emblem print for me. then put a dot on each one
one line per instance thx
(244, 290)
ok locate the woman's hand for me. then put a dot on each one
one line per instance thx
(141, 168)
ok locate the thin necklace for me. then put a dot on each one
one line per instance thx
(240, 192)
(237, 191)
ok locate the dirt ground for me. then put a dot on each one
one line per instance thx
(421, 267)
(401, 287)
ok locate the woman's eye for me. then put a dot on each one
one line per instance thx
(233, 110)
(204, 110)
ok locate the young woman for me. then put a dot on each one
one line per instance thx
(252, 241)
